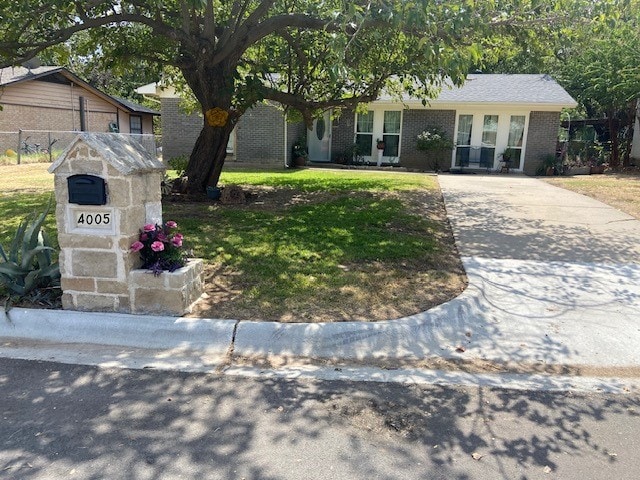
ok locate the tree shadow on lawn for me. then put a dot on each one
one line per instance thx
(92, 423)
(355, 256)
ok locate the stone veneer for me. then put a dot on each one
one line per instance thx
(98, 270)
(169, 293)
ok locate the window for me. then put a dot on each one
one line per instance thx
(391, 133)
(489, 136)
(231, 144)
(516, 137)
(463, 140)
(135, 124)
(364, 133)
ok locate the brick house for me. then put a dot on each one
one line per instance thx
(53, 98)
(484, 117)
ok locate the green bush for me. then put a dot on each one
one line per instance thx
(29, 264)
(179, 164)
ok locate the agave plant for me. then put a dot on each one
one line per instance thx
(29, 265)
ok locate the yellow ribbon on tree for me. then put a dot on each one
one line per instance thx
(217, 117)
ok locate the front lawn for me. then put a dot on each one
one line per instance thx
(621, 191)
(308, 245)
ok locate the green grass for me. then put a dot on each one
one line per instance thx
(299, 252)
(309, 180)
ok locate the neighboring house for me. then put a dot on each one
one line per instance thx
(53, 98)
(487, 115)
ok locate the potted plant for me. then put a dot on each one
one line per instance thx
(299, 154)
(380, 144)
(160, 248)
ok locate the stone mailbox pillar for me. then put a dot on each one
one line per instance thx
(107, 187)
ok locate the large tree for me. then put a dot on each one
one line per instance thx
(604, 76)
(596, 59)
(308, 55)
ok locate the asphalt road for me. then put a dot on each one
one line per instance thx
(66, 421)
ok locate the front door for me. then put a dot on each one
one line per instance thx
(319, 141)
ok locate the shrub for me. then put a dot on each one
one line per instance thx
(29, 264)
(433, 139)
(179, 164)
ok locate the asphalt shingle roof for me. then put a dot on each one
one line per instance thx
(508, 88)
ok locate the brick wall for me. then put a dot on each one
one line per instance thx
(259, 135)
(415, 122)
(23, 117)
(342, 133)
(541, 139)
(179, 131)
(295, 131)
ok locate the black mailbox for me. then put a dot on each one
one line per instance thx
(87, 190)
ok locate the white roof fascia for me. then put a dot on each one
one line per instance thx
(435, 105)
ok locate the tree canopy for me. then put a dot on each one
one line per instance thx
(308, 55)
(597, 60)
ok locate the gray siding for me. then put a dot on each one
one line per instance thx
(415, 122)
(541, 140)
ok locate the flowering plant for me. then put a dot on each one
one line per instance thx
(433, 139)
(160, 247)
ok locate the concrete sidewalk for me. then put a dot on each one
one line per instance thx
(534, 305)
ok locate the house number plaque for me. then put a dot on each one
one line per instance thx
(91, 220)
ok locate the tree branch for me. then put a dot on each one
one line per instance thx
(247, 35)
(16, 51)
(308, 108)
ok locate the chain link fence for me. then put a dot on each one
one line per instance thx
(41, 146)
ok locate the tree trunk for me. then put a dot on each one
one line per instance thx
(207, 157)
(213, 87)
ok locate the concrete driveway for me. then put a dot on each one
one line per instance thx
(518, 217)
(557, 274)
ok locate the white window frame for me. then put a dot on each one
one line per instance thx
(378, 131)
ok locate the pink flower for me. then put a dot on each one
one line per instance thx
(149, 227)
(177, 241)
(171, 224)
(144, 237)
(137, 246)
(162, 237)
(157, 246)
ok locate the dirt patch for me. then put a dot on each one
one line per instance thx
(620, 190)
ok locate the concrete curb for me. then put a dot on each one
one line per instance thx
(137, 331)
